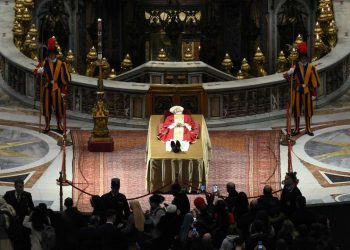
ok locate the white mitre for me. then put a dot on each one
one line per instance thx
(176, 110)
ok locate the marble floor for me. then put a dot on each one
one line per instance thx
(322, 162)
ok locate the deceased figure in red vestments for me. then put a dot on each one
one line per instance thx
(178, 130)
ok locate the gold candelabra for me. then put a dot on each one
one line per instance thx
(227, 64)
(100, 140)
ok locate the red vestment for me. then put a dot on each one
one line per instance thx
(184, 124)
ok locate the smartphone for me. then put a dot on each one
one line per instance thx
(260, 245)
(202, 188)
(215, 189)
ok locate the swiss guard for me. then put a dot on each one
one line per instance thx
(54, 77)
(307, 81)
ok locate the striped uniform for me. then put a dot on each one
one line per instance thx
(307, 80)
(56, 77)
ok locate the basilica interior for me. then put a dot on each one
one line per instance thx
(132, 60)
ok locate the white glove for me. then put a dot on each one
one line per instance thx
(188, 126)
(171, 126)
(290, 71)
(40, 70)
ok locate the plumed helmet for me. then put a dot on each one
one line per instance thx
(51, 44)
(302, 49)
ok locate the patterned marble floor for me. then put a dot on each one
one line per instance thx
(322, 161)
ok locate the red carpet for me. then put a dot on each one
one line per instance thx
(248, 158)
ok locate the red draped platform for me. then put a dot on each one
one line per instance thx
(248, 158)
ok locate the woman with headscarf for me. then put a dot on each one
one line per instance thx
(6, 212)
(136, 224)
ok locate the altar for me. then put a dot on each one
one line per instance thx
(189, 168)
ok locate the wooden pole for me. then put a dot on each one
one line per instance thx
(41, 101)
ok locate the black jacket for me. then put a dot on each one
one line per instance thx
(23, 205)
(117, 203)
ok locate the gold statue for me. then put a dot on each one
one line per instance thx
(227, 64)
(281, 62)
(90, 59)
(70, 61)
(259, 63)
(126, 63)
(162, 55)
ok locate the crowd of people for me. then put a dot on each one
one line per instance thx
(214, 222)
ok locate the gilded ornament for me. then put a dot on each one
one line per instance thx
(281, 62)
(298, 40)
(293, 56)
(259, 63)
(33, 32)
(112, 75)
(318, 29)
(323, 17)
(162, 55)
(320, 49)
(18, 6)
(28, 4)
(27, 15)
(70, 61)
(18, 16)
(227, 63)
(92, 55)
(240, 75)
(188, 55)
(105, 67)
(245, 67)
(126, 63)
